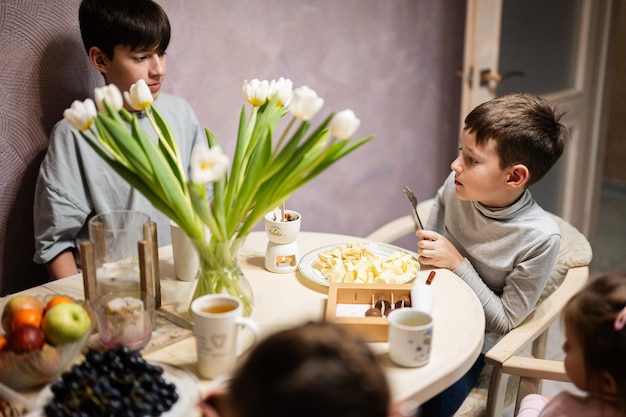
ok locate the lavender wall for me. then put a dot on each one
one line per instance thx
(393, 62)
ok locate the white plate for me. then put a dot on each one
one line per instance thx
(382, 250)
(187, 386)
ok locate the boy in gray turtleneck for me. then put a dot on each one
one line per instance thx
(484, 224)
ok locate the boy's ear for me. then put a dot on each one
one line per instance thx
(518, 176)
(98, 59)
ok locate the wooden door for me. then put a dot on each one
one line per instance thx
(556, 49)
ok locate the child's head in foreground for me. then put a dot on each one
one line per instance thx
(595, 329)
(513, 140)
(313, 370)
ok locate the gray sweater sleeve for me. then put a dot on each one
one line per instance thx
(523, 286)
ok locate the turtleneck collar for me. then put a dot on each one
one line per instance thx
(505, 213)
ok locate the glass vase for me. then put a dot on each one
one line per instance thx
(219, 271)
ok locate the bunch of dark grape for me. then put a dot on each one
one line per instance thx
(116, 382)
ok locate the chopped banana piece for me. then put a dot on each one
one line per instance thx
(125, 305)
(356, 263)
(125, 321)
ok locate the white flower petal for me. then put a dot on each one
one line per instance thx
(283, 87)
(305, 103)
(344, 124)
(256, 91)
(207, 164)
(139, 97)
(81, 115)
(112, 95)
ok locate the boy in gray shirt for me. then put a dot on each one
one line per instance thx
(484, 224)
(126, 41)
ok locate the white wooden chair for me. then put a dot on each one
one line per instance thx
(402, 226)
(494, 389)
(532, 372)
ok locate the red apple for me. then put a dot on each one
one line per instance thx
(65, 323)
(25, 338)
(17, 303)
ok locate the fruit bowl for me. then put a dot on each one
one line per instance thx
(37, 368)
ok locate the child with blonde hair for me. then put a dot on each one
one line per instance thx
(594, 321)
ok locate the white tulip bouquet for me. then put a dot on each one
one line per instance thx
(264, 171)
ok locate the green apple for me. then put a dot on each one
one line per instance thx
(17, 303)
(65, 323)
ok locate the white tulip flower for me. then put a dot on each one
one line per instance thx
(81, 114)
(283, 88)
(256, 91)
(305, 103)
(344, 124)
(207, 164)
(112, 95)
(139, 96)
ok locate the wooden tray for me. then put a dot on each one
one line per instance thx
(371, 329)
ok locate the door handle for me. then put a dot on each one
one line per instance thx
(486, 76)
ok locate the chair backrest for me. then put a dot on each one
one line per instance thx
(568, 276)
(575, 251)
(402, 226)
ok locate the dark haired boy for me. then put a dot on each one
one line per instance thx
(484, 224)
(126, 41)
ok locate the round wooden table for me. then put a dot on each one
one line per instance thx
(289, 299)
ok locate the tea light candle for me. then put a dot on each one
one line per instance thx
(282, 258)
(285, 261)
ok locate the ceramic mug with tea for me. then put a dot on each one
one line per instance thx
(410, 337)
(218, 327)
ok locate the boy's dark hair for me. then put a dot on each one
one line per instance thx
(316, 369)
(139, 24)
(591, 314)
(526, 128)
